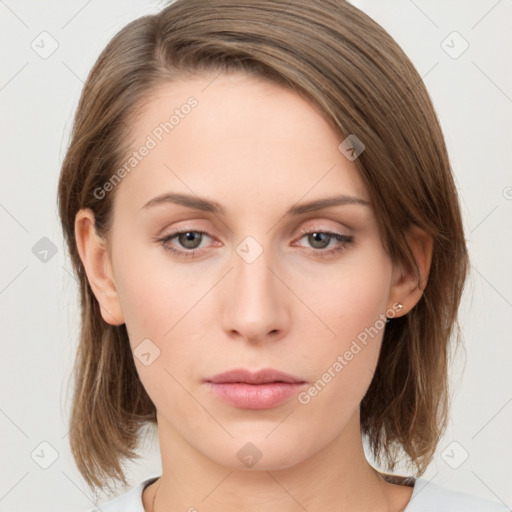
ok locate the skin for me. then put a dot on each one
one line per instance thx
(257, 149)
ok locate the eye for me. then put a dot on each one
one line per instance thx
(189, 239)
(320, 240)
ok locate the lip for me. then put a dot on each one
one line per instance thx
(254, 390)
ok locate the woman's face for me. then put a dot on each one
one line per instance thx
(258, 289)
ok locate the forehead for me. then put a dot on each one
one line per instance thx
(212, 134)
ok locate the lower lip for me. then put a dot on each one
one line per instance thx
(255, 396)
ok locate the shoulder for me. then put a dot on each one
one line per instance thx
(130, 501)
(430, 497)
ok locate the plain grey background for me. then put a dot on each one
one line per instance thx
(463, 51)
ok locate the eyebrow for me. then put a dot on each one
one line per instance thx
(207, 205)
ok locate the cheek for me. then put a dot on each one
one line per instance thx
(344, 365)
(155, 294)
(350, 297)
(352, 307)
(164, 316)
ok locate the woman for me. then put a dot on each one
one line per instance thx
(259, 206)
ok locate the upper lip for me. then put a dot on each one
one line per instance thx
(259, 377)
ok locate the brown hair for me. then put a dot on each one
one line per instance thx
(336, 57)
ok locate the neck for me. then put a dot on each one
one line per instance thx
(336, 476)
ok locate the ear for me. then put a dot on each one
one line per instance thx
(405, 288)
(93, 251)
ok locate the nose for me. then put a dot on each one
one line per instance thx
(257, 303)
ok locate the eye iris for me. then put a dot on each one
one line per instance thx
(323, 238)
(189, 237)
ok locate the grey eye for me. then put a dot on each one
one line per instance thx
(319, 240)
(190, 239)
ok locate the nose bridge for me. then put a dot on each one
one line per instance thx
(253, 278)
(256, 304)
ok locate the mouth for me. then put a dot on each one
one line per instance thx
(260, 390)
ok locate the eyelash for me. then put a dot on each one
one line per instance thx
(323, 253)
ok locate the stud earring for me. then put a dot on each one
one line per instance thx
(398, 306)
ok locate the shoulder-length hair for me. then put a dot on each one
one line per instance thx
(335, 56)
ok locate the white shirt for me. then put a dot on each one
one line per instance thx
(426, 497)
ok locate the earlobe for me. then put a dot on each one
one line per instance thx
(95, 258)
(405, 288)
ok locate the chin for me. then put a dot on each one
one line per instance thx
(257, 450)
